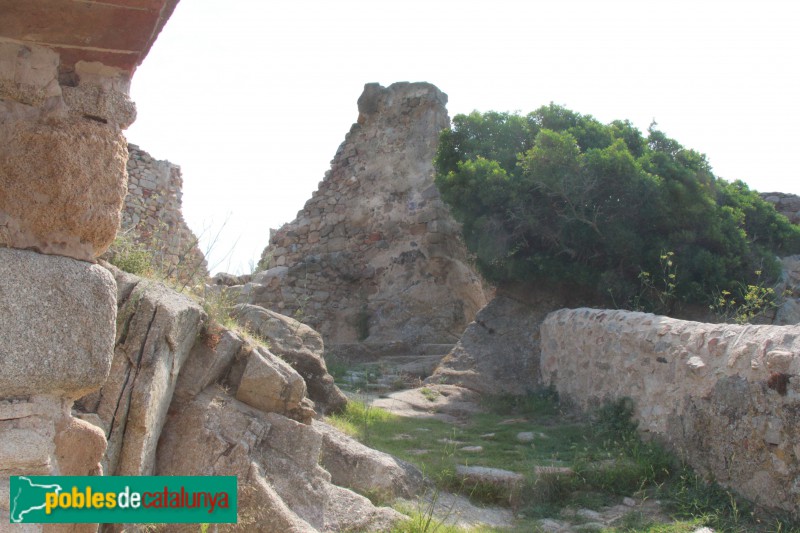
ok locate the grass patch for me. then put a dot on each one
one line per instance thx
(436, 447)
(608, 459)
(422, 520)
(429, 394)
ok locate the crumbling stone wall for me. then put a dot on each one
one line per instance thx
(785, 204)
(726, 397)
(375, 255)
(152, 215)
(62, 183)
(62, 153)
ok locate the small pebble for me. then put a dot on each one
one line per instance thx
(630, 502)
(472, 449)
(525, 436)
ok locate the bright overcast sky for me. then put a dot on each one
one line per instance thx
(252, 97)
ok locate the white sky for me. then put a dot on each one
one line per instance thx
(252, 97)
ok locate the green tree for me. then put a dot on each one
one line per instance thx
(559, 196)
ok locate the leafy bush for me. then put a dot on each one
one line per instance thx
(559, 196)
(127, 254)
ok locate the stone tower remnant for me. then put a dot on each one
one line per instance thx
(152, 215)
(375, 255)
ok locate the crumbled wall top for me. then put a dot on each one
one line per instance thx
(786, 204)
(152, 216)
(375, 254)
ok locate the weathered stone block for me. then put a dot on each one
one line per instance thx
(62, 184)
(269, 384)
(157, 328)
(56, 325)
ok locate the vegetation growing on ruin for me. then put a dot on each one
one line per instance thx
(558, 196)
(607, 458)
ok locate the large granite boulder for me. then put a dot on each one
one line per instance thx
(270, 384)
(298, 345)
(156, 328)
(56, 325)
(499, 351)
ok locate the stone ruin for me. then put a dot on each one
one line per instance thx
(152, 216)
(375, 256)
(725, 397)
(63, 106)
(786, 204)
(103, 373)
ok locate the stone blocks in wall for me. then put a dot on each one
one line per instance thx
(56, 332)
(726, 397)
(375, 255)
(61, 186)
(56, 326)
(38, 436)
(786, 204)
(152, 214)
(62, 153)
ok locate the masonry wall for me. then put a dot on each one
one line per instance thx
(152, 215)
(785, 204)
(726, 397)
(375, 255)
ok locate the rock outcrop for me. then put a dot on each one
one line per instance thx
(374, 255)
(188, 398)
(786, 204)
(298, 345)
(357, 467)
(282, 487)
(499, 351)
(152, 216)
(156, 328)
(724, 396)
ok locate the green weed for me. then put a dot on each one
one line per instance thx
(607, 458)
